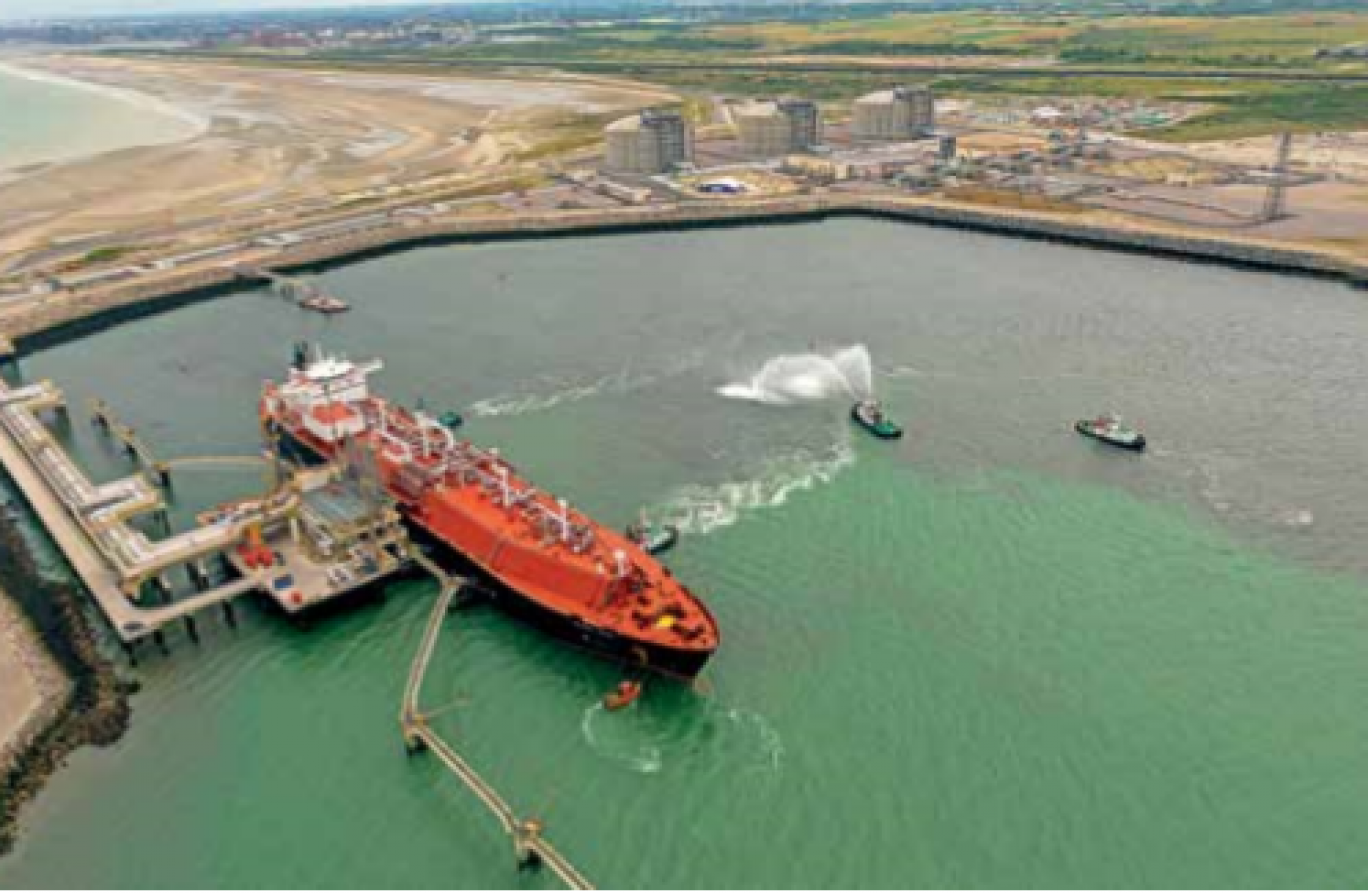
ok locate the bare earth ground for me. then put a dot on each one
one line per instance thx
(30, 683)
(1345, 152)
(280, 136)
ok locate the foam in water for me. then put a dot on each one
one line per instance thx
(642, 757)
(621, 382)
(520, 404)
(642, 741)
(698, 509)
(794, 378)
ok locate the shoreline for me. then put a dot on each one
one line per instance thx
(68, 316)
(193, 124)
(82, 700)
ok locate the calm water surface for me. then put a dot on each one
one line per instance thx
(44, 119)
(991, 654)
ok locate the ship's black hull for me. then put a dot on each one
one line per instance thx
(602, 642)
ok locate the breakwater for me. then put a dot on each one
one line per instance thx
(61, 317)
(84, 699)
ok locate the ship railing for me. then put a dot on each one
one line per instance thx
(470, 465)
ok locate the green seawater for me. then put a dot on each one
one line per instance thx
(45, 119)
(990, 654)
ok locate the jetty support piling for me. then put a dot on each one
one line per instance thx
(163, 588)
(524, 843)
(133, 445)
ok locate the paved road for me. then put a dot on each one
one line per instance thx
(769, 66)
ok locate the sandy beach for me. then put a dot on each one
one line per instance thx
(274, 139)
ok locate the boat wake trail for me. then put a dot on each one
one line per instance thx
(697, 509)
(621, 382)
(643, 741)
(794, 378)
(621, 742)
(769, 747)
(512, 404)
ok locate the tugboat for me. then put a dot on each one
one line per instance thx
(869, 415)
(1109, 429)
(652, 537)
(627, 691)
(326, 304)
(451, 419)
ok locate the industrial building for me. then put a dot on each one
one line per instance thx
(896, 114)
(771, 129)
(652, 142)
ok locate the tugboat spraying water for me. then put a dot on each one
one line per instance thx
(793, 378)
(869, 415)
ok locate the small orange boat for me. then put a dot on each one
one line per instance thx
(627, 691)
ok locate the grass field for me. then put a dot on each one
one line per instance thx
(1276, 40)
(1272, 42)
(1286, 40)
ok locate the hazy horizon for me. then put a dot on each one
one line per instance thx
(12, 10)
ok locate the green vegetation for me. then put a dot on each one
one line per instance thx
(105, 255)
(566, 134)
(1205, 36)
(1303, 109)
(1282, 39)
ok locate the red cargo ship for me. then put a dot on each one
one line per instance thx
(552, 565)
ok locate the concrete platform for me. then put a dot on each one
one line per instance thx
(131, 622)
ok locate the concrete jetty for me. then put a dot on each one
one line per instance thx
(90, 524)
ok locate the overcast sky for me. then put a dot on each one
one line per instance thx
(51, 9)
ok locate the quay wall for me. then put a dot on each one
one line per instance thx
(62, 317)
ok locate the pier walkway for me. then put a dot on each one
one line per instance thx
(90, 523)
(304, 292)
(17, 435)
(529, 846)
